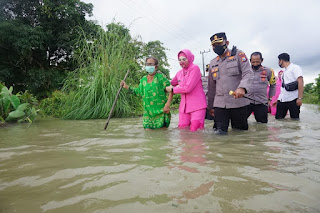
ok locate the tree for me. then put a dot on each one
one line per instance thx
(317, 87)
(308, 88)
(37, 40)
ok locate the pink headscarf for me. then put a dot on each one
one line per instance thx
(187, 53)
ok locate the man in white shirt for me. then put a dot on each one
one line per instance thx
(290, 97)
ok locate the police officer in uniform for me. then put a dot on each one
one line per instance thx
(263, 76)
(229, 71)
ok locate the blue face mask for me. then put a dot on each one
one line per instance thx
(150, 69)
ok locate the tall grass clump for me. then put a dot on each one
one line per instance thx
(102, 62)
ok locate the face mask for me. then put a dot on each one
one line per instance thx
(256, 67)
(280, 65)
(150, 69)
(220, 49)
(184, 64)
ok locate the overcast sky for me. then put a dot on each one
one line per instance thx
(269, 26)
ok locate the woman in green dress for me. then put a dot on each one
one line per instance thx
(152, 89)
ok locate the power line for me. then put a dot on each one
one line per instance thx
(166, 28)
(156, 22)
(184, 35)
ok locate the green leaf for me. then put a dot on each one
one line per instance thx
(15, 101)
(23, 107)
(33, 114)
(6, 103)
(15, 115)
(5, 91)
(11, 89)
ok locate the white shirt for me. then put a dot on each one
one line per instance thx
(290, 74)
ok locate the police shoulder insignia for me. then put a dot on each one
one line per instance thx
(243, 56)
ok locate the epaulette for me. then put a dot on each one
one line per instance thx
(234, 51)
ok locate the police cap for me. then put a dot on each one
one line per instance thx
(218, 37)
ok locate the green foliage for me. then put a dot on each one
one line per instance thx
(311, 93)
(11, 108)
(55, 105)
(317, 88)
(103, 62)
(37, 40)
(42, 82)
(310, 98)
(308, 88)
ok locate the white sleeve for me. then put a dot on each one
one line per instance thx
(298, 72)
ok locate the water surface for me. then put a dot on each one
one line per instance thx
(75, 166)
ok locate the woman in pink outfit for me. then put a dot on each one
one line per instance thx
(188, 83)
(273, 109)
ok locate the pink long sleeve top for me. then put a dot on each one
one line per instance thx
(188, 83)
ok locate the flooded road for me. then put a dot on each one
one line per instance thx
(76, 166)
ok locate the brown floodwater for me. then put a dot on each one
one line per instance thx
(75, 166)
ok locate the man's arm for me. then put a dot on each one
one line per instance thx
(300, 90)
(247, 75)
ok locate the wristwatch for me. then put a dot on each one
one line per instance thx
(270, 99)
(300, 98)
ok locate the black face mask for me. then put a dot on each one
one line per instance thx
(220, 49)
(280, 65)
(256, 67)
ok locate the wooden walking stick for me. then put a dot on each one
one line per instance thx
(115, 101)
(232, 93)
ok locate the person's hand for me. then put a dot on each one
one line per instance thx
(124, 85)
(274, 104)
(211, 112)
(169, 88)
(166, 109)
(299, 102)
(239, 93)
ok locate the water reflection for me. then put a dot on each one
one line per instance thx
(191, 150)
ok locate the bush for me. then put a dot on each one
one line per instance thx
(54, 105)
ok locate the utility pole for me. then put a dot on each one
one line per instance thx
(204, 71)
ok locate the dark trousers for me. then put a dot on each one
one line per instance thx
(283, 107)
(260, 112)
(238, 117)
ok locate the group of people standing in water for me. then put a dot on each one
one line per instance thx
(235, 90)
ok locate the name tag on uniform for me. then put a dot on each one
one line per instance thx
(215, 73)
(231, 58)
(263, 75)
